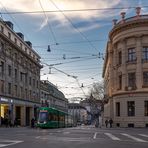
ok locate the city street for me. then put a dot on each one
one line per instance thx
(77, 137)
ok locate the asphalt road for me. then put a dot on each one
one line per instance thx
(77, 137)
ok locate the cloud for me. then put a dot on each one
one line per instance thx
(76, 16)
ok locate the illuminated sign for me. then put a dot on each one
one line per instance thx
(4, 99)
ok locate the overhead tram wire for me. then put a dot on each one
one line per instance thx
(75, 77)
(71, 10)
(84, 37)
(49, 26)
(13, 20)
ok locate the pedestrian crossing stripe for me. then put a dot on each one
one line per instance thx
(112, 136)
(134, 138)
(143, 135)
(8, 142)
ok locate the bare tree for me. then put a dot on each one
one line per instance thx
(97, 90)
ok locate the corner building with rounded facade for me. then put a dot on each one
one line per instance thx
(125, 72)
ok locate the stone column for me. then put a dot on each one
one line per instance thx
(23, 115)
(124, 59)
(139, 64)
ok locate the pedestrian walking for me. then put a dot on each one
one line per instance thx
(106, 123)
(110, 122)
(32, 122)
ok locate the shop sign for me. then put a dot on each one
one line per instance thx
(4, 100)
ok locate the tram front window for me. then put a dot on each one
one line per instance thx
(43, 117)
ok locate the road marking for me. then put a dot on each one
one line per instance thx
(134, 138)
(95, 135)
(9, 142)
(112, 136)
(143, 135)
(66, 133)
(37, 137)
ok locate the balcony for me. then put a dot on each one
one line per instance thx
(129, 88)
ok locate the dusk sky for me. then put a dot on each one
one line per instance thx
(77, 33)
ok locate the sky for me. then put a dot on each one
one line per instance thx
(75, 31)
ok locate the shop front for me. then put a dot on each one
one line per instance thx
(13, 109)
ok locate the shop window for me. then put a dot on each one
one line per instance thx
(131, 108)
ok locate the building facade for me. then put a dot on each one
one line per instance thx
(19, 76)
(52, 97)
(78, 112)
(126, 72)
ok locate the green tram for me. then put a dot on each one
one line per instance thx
(53, 118)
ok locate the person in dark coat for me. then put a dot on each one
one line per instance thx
(106, 123)
(32, 122)
(110, 122)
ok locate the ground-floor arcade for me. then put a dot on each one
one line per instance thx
(12, 109)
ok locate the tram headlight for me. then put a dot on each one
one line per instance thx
(45, 122)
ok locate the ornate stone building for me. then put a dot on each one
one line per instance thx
(126, 72)
(52, 97)
(19, 76)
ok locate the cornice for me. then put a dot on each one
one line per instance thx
(128, 25)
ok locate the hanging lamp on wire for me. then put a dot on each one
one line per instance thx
(48, 49)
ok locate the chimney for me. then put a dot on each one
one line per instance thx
(9, 24)
(29, 43)
(20, 35)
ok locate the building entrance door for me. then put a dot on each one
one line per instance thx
(27, 116)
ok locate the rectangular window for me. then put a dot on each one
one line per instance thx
(145, 53)
(2, 68)
(131, 108)
(21, 76)
(15, 74)
(2, 47)
(15, 90)
(29, 80)
(21, 92)
(2, 29)
(26, 93)
(9, 88)
(2, 86)
(15, 40)
(131, 55)
(21, 45)
(145, 78)
(9, 35)
(132, 79)
(120, 82)
(9, 70)
(120, 57)
(117, 108)
(30, 94)
(146, 108)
